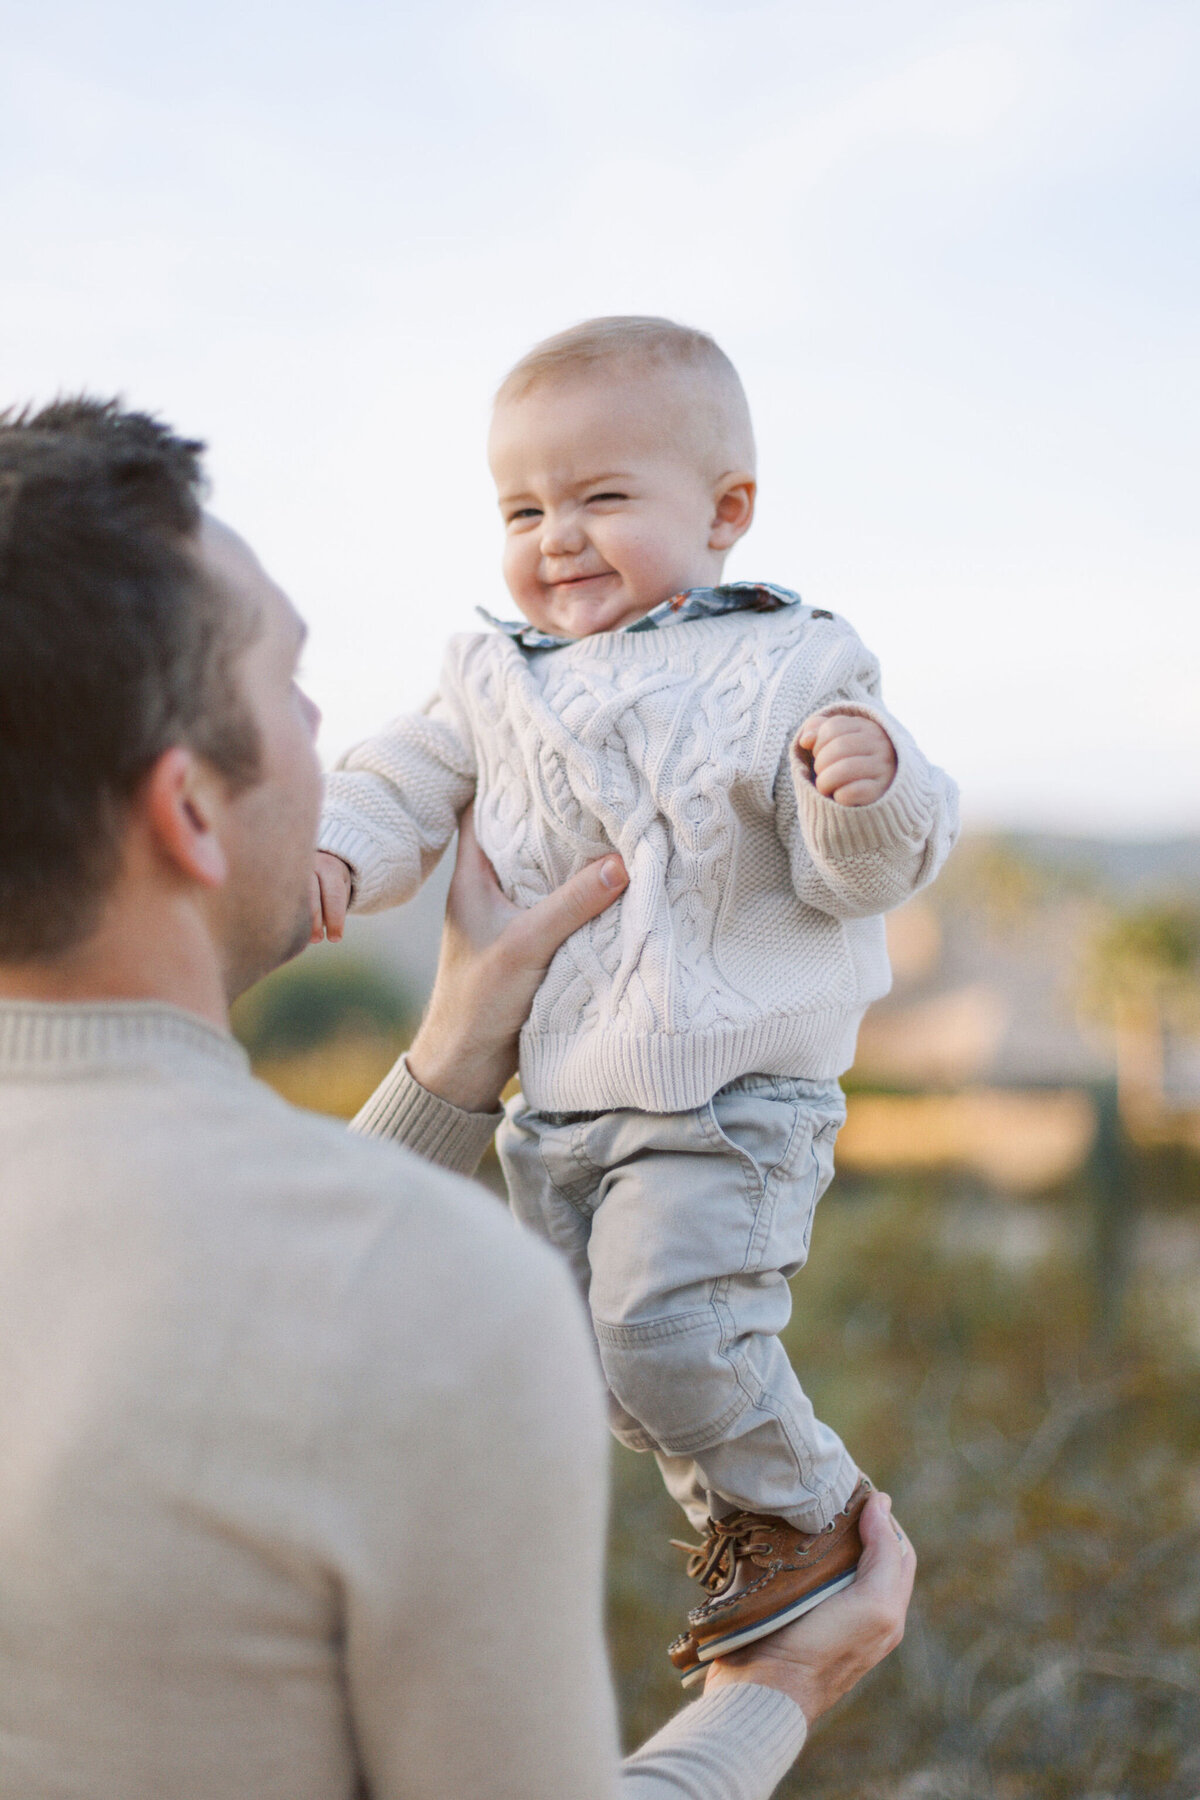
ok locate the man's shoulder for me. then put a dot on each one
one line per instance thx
(280, 1149)
(431, 1274)
(394, 1245)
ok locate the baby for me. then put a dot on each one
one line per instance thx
(679, 1069)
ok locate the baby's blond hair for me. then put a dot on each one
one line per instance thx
(708, 380)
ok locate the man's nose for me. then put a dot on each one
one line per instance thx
(562, 533)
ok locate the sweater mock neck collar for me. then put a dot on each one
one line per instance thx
(49, 1038)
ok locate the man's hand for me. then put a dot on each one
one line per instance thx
(330, 894)
(852, 758)
(827, 1652)
(493, 958)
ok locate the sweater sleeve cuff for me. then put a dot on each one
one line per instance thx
(404, 1112)
(343, 837)
(735, 1744)
(899, 819)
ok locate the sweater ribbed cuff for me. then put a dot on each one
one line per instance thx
(736, 1744)
(900, 818)
(404, 1112)
(343, 837)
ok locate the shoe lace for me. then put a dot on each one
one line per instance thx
(727, 1542)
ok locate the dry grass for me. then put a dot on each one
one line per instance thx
(1054, 1646)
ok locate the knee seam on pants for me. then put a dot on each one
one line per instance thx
(621, 1337)
(652, 1331)
(704, 1437)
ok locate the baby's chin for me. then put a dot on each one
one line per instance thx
(580, 615)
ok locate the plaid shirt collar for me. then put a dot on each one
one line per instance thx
(695, 603)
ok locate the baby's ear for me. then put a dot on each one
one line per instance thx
(733, 509)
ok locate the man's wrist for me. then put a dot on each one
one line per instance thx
(472, 1089)
(799, 1684)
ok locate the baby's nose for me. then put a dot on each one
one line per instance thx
(562, 534)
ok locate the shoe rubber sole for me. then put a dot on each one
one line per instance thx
(775, 1621)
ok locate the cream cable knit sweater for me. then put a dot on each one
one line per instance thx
(750, 938)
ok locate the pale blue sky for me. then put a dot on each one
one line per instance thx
(952, 248)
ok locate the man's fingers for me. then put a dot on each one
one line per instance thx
(546, 926)
(888, 1565)
(470, 861)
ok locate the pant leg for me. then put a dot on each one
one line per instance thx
(699, 1221)
(551, 1197)
(552, 1191)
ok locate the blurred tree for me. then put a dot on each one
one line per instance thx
(1141, 977)
(324, 1030)
(317, 999)
(994, 879)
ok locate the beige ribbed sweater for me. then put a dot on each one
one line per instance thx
(750, 938)
(303, 1455)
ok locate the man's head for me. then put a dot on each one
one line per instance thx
(146, 667)
(623, 457)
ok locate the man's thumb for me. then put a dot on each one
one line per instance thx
(586, 894)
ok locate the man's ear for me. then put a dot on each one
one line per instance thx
(183, 798)
(733, 509)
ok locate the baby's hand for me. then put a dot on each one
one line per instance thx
(330, 893)
(852, 758)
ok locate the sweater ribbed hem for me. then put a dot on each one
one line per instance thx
(738, 1743)
(600, 1070)
(62, 1038)
(402, 1110)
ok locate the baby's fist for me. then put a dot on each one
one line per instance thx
(331, 884)
(852, 758)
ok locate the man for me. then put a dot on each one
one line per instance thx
(302, 1436)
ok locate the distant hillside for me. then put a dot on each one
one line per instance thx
(1128, 869)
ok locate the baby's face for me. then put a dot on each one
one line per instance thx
(607, 508)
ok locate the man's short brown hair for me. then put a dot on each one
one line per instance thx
(642, 341)
(113, 647)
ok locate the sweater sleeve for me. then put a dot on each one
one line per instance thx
(403, 1112)
(392, 804)
(736, 1744)
(858, 861)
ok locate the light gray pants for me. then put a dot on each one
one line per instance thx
(683, 1230)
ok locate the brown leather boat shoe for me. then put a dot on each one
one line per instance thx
(685, 1659)
(762, 1573)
